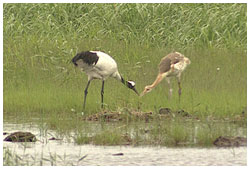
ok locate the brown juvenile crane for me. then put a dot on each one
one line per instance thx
(171, 65)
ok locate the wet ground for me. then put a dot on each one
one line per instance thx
(55, 153)
(66, 152)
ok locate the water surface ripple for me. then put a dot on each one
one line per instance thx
(66, 152)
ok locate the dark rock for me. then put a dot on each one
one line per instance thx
(82, 158)
(21, 137)
(118, 154)
(165, 111)
(168, 111)
(183, 113)
(230, 141)
(53, 138)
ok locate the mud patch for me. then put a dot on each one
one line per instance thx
(136, 115)
(119, 116)
(230, 141)
(168, 111)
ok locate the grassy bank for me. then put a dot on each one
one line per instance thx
(40, 40)
(59, 87)
(52, 85)
(169, 133)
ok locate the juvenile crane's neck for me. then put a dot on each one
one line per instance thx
(157, 81)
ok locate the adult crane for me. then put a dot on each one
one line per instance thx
(99, 65)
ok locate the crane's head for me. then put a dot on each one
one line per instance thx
(146, 90)
(131, 85)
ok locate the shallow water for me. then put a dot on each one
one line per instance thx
(65, 152)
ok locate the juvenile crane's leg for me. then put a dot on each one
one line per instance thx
(170, 88)
(102, 92)
(179, 84)
(85, 94)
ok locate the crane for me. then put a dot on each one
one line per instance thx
(171, 65)
(99, 65)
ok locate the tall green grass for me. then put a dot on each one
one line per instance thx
(41, 39)
(164, 25)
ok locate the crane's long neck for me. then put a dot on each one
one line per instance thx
(129, 84)
(125, 82)
(117, 76)
(157, 81)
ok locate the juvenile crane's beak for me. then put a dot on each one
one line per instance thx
(142, 94)
(146, 90)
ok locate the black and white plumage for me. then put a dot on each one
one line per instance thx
(99, 65)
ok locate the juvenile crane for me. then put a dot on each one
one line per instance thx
(99, 65)
(171, 65)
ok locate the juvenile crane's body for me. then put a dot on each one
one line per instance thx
(171, 65)
(99, 65)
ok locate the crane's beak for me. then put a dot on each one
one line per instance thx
(142, 94)
(145, 91)
(135, 91)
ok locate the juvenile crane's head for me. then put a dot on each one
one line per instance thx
(146, 90)
(131, 85)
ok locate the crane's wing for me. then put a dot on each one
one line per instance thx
(168, 60)
(164, 65)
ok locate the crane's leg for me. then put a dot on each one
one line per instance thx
(170, 88)
(102, 92)
(85, 93)
(179, 84)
